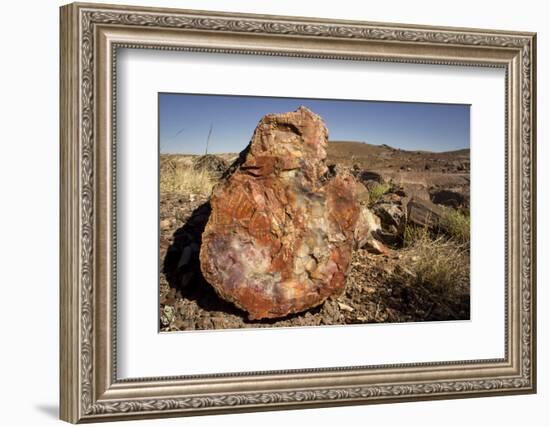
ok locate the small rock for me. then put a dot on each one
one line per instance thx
(418, 191)
(167, 315)
(169, 298)
(376, 247)
(366, 176)
(345, 307)
(367, 225)
(362, 194)
(391, 215)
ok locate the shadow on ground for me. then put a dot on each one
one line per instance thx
(50, 410)
(181, 267)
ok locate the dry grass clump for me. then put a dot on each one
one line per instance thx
(456, 225)
(179, 177)
(377, 191)
(441, 264)
(413, 234)
(437, 269)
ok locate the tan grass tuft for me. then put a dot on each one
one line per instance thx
(439, 268)
(177, 177)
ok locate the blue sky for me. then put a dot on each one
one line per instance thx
(185, 120)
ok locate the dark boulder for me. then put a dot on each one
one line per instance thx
(424, 213)
(449, 198)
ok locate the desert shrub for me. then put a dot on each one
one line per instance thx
(413, 234)
(377, 191)
(437, 271)
(456, 225)
(183, 178)
(441, 264)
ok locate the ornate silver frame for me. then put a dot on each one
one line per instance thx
(90, 36)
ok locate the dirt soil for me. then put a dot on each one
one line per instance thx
(375, 291)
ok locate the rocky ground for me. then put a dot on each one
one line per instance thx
(389, 285)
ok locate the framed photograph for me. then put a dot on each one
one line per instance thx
(267, 212)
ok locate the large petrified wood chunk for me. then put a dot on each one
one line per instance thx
(281, 232)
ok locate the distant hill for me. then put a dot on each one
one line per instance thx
(383, 156)
(366, 148)
(377, 157)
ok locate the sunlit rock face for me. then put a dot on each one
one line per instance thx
(281, 232)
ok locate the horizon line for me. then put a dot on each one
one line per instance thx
(332, 141)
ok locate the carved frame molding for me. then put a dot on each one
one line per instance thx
(90, 36)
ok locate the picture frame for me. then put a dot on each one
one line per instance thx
(91, 35)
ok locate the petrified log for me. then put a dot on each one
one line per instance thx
(281, 232)
(424, 213)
